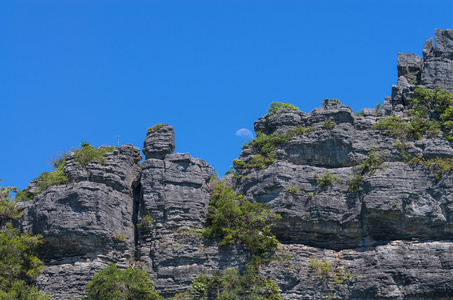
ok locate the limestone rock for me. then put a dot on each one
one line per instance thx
(159, 142)
(444, 43)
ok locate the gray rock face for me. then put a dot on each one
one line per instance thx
(159, 142)
(444, 43)
(433, 71)
(389, 235)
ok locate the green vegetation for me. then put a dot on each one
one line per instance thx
(276, 106)
(292, 190)
(413, 128)
(326, 270)
(113, 283)
(119, 237)
(88, 153)
(375, 161)
(355, 183)
(266, 146)
(439, 165)
(8, 208)
(236, 220)
(230, 284)
(322, 268)
(260, 162)
(327, 101)
(431, 112)
(146, 223)
(55, 177)
(326, 180)
(379, 107)
(310, 194)
(328, 124)
(19, 264)
(157, 127)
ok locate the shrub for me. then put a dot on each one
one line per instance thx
(374, 162)
(328, 124)
(292, 190)
(379, 107)
(266, 146)
(322, 268)
(230, 284)
(113, 283)
(156, 127)
(327, 179)
(359, 113)
(8, 208)
(297, 131)
(120, 238)
(238, 164)
(19, 264)
(55, 177)
(355, 183)
(439, 165)
(327, 101)
(88, 153)
(236, 220)
(146, 223)
(276, 106)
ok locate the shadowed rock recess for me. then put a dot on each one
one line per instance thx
(388, 234)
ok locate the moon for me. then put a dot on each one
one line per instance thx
(245, 133)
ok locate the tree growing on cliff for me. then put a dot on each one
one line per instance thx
(236, 220)
(19, 264)
(113, 283)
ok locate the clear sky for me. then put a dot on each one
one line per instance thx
(75, 70)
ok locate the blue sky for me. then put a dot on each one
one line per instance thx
(75, 71)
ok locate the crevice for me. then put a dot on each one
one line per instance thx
(137, 191)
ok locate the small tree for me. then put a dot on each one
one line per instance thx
(113, 283)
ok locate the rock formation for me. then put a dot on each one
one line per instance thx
(388, 235)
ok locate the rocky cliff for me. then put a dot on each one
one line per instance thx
(346, 195)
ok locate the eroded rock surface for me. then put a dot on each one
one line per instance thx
(390, 236)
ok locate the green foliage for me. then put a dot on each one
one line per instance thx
(238, 164)
(230, 284)
(19, 264)
(379, 107)
(328, 124)
(327, 101)
(113, 283)
(422, 122)
(8, 208)
(439, 165)
(276, 106)
(325, 270)
(88, 153)
(322, 268)
(355, 183)
(414, 128)
(55, 177)
(236, 220)
(359, 113)
(374, 162)
(292, 190)
(156, 127)
(326, 180)
(258, 162)
(266, 145)
(426, 100)
(120, 238)
(146, 223)
(310, 194)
